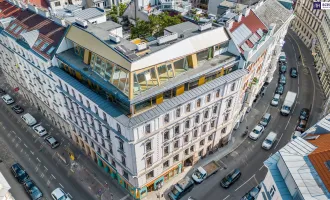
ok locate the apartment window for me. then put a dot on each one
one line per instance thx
(229, 103)
(204, 128)
(148, 146)
(123, 160)
(202, 142)
(166, 150)
(118, 129)
(121, 145)
(106, 157)
(192, 148)
(199, 103)
(176, 144)
(105, 117)
(188, 107)
(210, 137)
(125, 174)
(113, 163)
(232, 88)
(226, 117)
(197, 119)
(73, 94)
(195, 133)
(44, 46)
(57, 3)
(177, 129)
(148, 128)
(187, 124)
(150, 175)
(166, 136)
(208, 98)
(149, 161)
(96, 111)
(176, 158)
(215, 108)
(186, 152)
(165, 164)
(178, 112)
(217, 94)
(186, 138)
(206, 114)
(224, 130)
(212, 123)
(167, 118)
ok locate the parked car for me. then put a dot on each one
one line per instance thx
(41, 131)
(296, 134)
(280, 89)
(282, 79)
(269, 140)
(52, 142)
(253, 193)
(29, 119)
(301, 125)
(19, 173)
(304, 114)
(59, 194)
(7, 99)
(283, 69)
(293, 72)
(256, 132)
(17, 109)
(265, 119)
(276, 100)
(33, 191)
(231, 178)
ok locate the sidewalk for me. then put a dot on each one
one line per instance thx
(233, 144)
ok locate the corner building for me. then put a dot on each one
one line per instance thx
(146, 108)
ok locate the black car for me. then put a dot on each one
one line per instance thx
(283, 68)
(231, 178)
(17, 109)
(252, 194)
(33, 191)
(294, 72)
(280, 89)
(304, 114)
(19, 173)
(282, 79)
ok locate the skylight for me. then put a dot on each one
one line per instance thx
(50, 50)
(37, 42)
(13, 26)
(18, 29)
(44, 46)
(24, 31)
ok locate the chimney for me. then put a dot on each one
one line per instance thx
(246, 11)
(238, 18)
(229, 24)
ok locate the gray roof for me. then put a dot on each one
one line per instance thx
(182, 28)
(72, 12)
(112, 110)
(89, 13)
(261, 50)
(271, 11)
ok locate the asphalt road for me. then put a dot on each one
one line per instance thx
(249, 157)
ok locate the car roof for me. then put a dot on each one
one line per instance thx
(266, 115)
(51, 139)
(277, 95)
(58, 192)
(39, 127)
(258, 127)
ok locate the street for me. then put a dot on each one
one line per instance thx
(249, 156)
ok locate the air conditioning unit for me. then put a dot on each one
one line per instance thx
(167, 38)
(205, 26)
(114, 38)
(81, 22)
(141, 46)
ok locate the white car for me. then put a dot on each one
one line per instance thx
(7, 99)
(41, 131)
(296, 134)
(58, 194)
(275, 100)
(256, 132)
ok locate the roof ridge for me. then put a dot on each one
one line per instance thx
(54, 31)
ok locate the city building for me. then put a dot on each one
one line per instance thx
(28, 42)
(322, 53)
(144, 109)
(4, 189)
(219, 8)
(307, 22)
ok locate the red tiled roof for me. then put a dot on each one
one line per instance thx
(8, 9)
(319, 156)
(49, 32)
(252, 22)
(38, 3)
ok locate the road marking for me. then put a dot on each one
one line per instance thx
(32, 152)
(21, 150)
(279, 140)
(261, 167)
(42, 175)
(48, 183)
(16, 145)
(223, 164)
(70, 195)
(298, 90)
(245, 182)
(38, 159)
(46, 168)
(125, 197)
(53, 176)
(61, 185)
(13, 132)
(287, 123)
(36, 168)
(227, 197)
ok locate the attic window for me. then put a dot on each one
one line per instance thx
(24, 31)
(37, 42)
(18, 29)
(13, 26)
(327, 163)
(50, 50)
(44, 46)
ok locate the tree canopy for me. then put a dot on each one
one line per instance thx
(155, 26)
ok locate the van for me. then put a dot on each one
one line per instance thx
(269, 141)
(265, 119)
(29, 120)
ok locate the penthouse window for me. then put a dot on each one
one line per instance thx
(145, 80)
(79, 50)
(180, 66)
(165, 72)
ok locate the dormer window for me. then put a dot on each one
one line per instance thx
(13, 26)
(18, 29)
(44, 46)
(37, 42)
(50, 50)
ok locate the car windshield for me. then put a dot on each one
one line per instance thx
(198, 174)
(20, 172)
(175, 191)
(283, 67)
(256, 131)
(28, 184)
(264, 119)
(267, 141)
(275, 99)
(254, 191)
(62, 197)
(34, 189)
